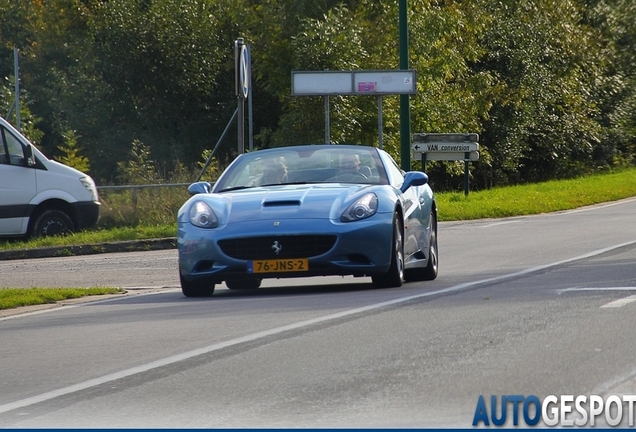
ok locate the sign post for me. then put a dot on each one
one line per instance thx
(242, 62)
(450, 146)
(364, 82)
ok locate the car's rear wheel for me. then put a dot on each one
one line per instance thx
(195, 289)
(430, 271)
(243, 284)
(395, 276)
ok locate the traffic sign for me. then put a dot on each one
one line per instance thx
(444, 147)
(364, 82)
(445, 137)
(244, 70)
(447, 146)
(472, 156)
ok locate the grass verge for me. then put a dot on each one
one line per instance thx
(537, 198)
(94, 237)
(11, 298)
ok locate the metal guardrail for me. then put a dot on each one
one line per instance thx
(145, 186)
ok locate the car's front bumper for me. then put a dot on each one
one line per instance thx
(359, 248)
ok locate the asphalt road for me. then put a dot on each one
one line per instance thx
(541, 305)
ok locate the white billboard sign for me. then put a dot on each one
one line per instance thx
(324, 83)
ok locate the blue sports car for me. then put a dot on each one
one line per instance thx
(311, 210)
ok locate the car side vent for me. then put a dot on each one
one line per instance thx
(281, 203)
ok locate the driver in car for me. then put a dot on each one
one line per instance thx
(274, 171)
(349, 163)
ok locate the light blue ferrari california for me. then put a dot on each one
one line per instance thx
(311, 210)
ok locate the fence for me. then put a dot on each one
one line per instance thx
(135, 188)
(143, 204)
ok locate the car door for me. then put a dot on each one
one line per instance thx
(17, 184)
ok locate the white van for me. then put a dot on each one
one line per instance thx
(38, 196)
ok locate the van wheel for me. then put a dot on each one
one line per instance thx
(52, 222)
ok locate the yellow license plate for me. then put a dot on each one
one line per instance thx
(278, 265)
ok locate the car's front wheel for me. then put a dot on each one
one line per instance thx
(195, 289)
(395, 276)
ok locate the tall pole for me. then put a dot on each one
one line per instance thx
(250, 133)
(242, 88)
(405, 112)
(17, 87)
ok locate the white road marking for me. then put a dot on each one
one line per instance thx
(295, 326)
(620, 302)
(614, 304)
(633, 288)
(498, 223)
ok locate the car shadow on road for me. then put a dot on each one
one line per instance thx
(292, 290)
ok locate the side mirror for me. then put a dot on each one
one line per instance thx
(413, 178)
(199, 188)
(28, 155)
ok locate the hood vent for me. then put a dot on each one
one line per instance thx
(281, 203)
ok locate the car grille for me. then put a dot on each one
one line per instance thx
(251, 248)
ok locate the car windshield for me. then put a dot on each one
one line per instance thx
(304, 164)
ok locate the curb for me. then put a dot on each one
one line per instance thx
(90, 249)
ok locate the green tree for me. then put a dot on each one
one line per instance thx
(162, 59)
(616, 92)
(71, 153)
(548, 84)
(545, 63)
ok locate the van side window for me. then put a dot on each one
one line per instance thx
(15, 154)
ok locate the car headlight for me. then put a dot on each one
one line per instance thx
(89, 184)
(201, 215)
(361, 209)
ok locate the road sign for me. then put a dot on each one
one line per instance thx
(364, 82)
(444, 147)
(431, 156)
(244, 71)
(446, 137)
(447, 146)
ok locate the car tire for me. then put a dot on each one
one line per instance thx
(430, 271)
(243, 284)
(195, 289)
(52, 222)
(394, 277)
